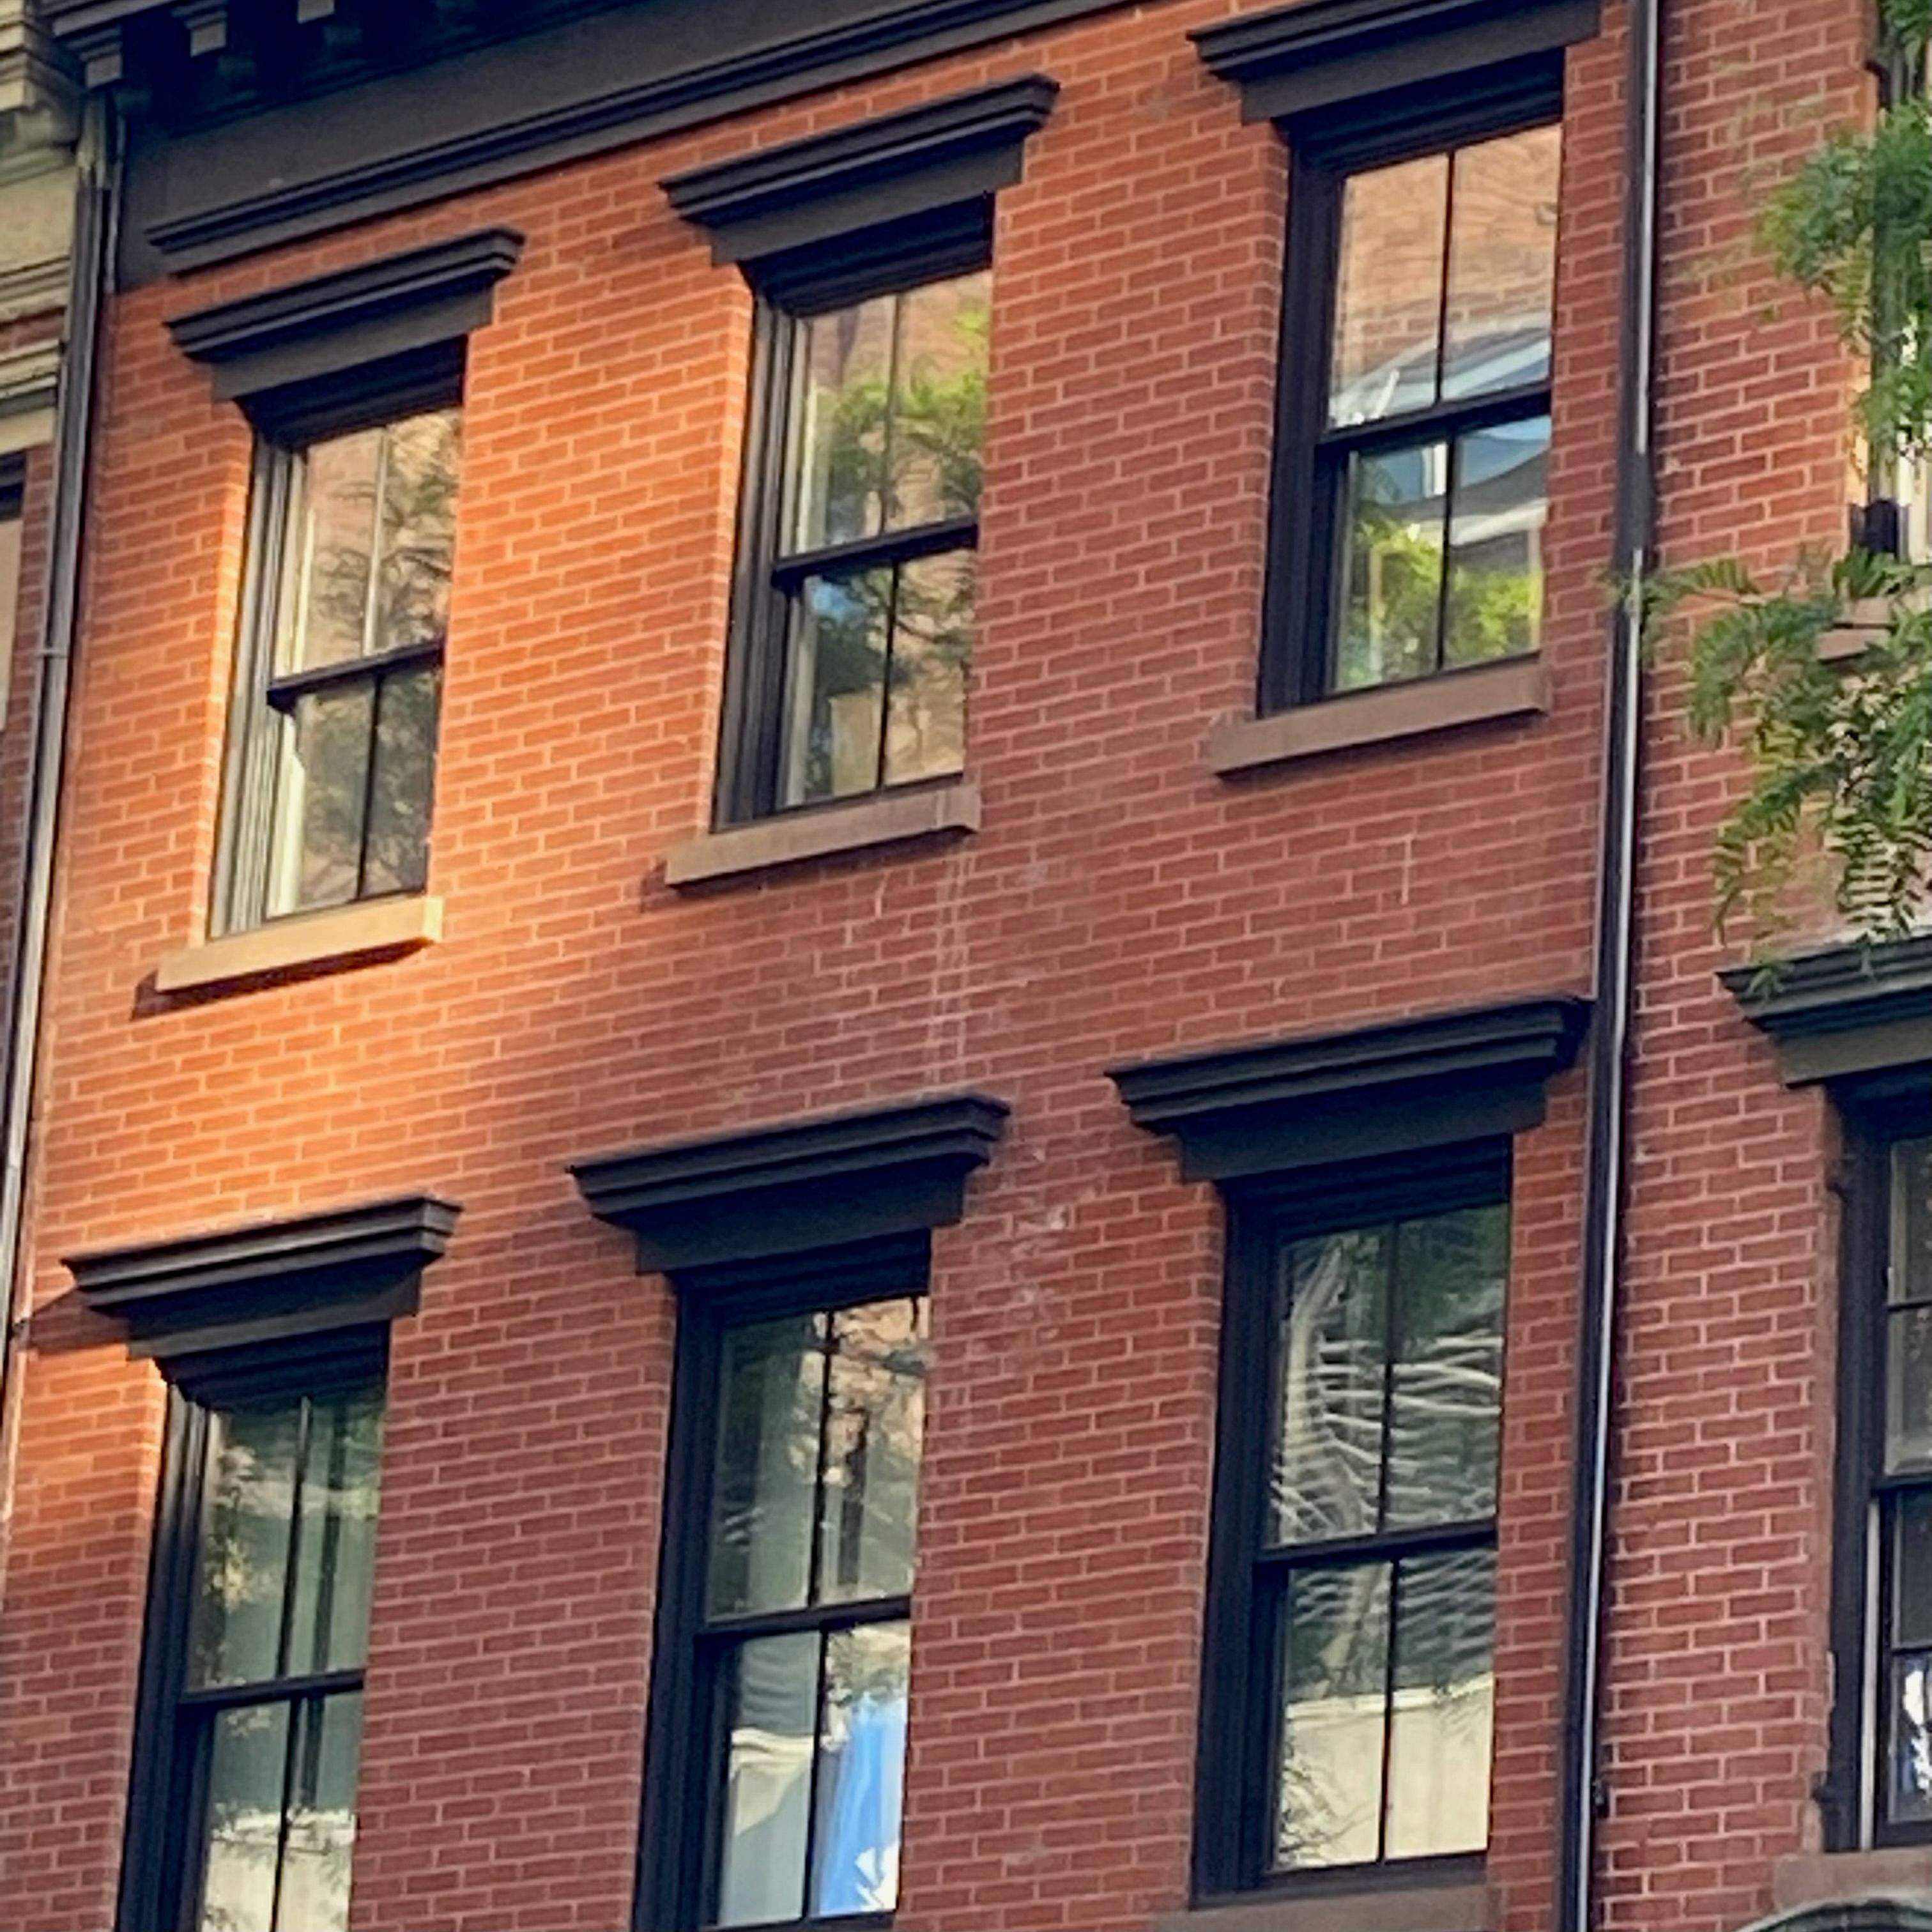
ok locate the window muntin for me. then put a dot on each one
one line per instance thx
(1423, 460)
(332, 780)
(805, 1634)
(1377, 1568)
(281, 1494)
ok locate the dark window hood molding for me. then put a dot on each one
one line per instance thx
(1250, 1110)
(327, 324)
(268, 1279)
(957, 149)
(1321, 53)
(1843, 1011)
(839, 1178)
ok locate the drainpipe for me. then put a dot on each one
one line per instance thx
(96, 187)
(1580, 1796)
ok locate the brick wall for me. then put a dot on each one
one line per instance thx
(1119, 902)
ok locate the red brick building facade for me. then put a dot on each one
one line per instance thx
(1388, 893)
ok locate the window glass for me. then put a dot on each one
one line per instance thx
(1444, 302)
(885, 436)
(1389, 1380)
(814, 1510)
(361, 614)
(283, 1574)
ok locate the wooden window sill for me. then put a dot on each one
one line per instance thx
(344, 936)
(1510, 688)
(1370, 1907)
(1828, 1878)
(882, 818)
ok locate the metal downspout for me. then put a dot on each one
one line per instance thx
(1610, 1039)
(96, 189)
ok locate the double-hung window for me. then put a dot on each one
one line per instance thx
(853, 635)
(1348, 1716)
(802, 1506)
(339, 672)
(258, 1634)
(1412, 450)
(1880, 1790)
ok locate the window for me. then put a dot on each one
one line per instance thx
(1880, 1790)
(853, 628)
(258, 1633)
(1349, 1702)
(1411, 463)
(792, 1671)
(332, 758)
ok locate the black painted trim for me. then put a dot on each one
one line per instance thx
(268, 1280)
(603, 82)
(1471, 1075)
(1844, 989)
(958, 149)
(840, 1178)
(328, 324)
(1317, 53)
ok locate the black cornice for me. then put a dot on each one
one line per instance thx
(329, 322)
(1845, 1010)
(860, 176)
(1318, 53)
(268, 1279)
(1445, 1077)
(839, 1178)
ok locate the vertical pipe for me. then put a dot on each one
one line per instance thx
(1610, 1032)
(96, 198)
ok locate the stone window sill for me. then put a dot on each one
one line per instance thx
(1866, 619)
(1511, 687)
(884, 818)
(1831, 1878)
(305, 942)
(1387, 1907)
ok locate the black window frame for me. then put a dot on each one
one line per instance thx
(679, 1849)
(790, 288)
(1299, 624)
(1239, 1740)
(286, 423)
(1875, 1113)
(165, 1842)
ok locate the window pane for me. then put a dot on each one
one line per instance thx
(939, 418)
(1439, 1790)
(1392, 566)
(1911, 1569)
(839, 424)
(242, 1562)
(403, 788)
(1388, 292)
(1909, 1738)
(861, 1769)
(1908, 1409)
(321, 1816)
(874, 1419)
(839, 628)
(1334, 1669)
(1502, 264)
(1911, 1222)
(1330, 1345)
(772, 1707)
(248, 1760)
(773, 1389)
(932, 651)
(418, 534)
(1448, 1394)
(335, 1560)
(1495, 541)
(316, 859)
